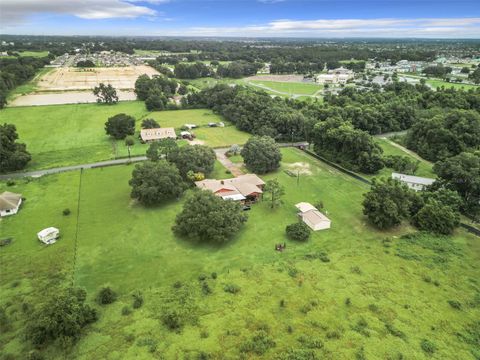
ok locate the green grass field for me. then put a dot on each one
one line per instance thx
(397, 289)
(60, 135)
(424, 167)
(289, 87)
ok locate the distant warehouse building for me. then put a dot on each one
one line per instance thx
(416, 183)
(149, 135)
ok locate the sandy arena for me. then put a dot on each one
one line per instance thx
(85, 79)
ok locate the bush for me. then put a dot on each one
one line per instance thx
(214, 275)
(126, 311)
(231, 288)
(298, 231)
(66, 212)
(428, 346)
(137, 300)
(11, 183)
(455, 304)
(259, 343)
(106, 296)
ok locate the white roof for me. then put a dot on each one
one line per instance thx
(184, 133)
(234, 197)
(47, 231)
(190, 126)
(304, 207)
(413, 179)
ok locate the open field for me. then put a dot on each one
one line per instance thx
(290, 87)
(60, 135)
(435, 83)
(294, 297)
(83, 79)
(278, 78)
(66, 97)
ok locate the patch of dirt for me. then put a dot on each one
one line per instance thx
(83, 79)
(300, 167)
(196, 142)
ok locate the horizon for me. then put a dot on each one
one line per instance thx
(304, 19)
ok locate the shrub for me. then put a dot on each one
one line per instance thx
(214, 275)
(231, 288)
(428, 346)
(298, 231)
(66, 212)
(106, 296)
(455, 304)
(126, 311)
(206, 290)
(258, 344)
(137, 300)
(11, 183)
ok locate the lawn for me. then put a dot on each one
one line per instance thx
(424, 167)
(36, 54)
(372, 290)
(60, 135)
(289, 87)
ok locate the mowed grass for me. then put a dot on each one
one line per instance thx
(287, 295)
(425, 168)
(61, 135)
(289, 87)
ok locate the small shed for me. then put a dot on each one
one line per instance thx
(190, 126)
(49, 235)
(9, 203)
(311, 216)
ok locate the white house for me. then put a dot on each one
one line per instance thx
(312, 217)
(416, 183)
(49, 235)
(9, 203)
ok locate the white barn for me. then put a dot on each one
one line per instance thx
(49, 235)
(416, 183)
(311, 216)
(9, 203)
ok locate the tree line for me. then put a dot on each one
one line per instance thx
(17, 71)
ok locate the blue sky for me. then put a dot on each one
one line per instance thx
(250, 18)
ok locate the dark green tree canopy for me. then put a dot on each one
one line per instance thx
(339, 142)
(388, 203)
(437, 217)
(119, 126)
(155, 182)
(298, 231)
(105, 94)
(196, 158)
(150, 124)
(63, 316)
(13, 156)
(208, 218)
(261, 154)
(162, 149)
(461, 173)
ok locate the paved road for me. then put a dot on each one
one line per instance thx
(39, 173)
(220, 153)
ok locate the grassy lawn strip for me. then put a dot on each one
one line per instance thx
(290, 87)
(61, 135)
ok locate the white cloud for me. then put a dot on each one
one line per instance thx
(14, 12)
(388, 27)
